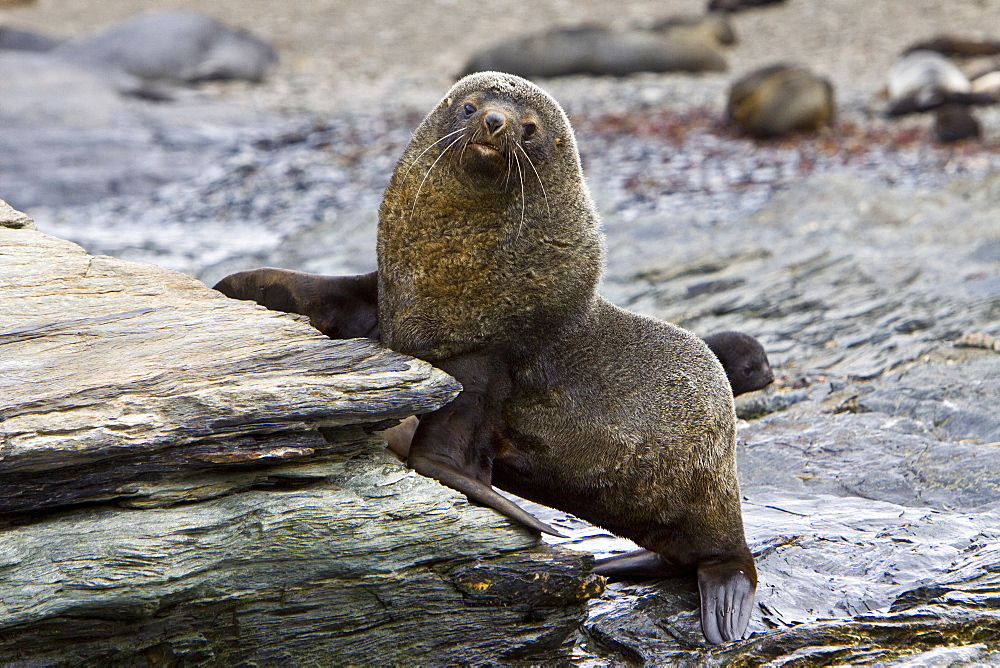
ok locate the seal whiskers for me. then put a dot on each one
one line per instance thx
(417, 159)
(429, 170)
(520, 179)
(545, 196)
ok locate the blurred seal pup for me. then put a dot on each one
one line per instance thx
(174, 45)
(922, 80)
(779, 99)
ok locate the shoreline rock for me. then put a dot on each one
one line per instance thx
(189, 478)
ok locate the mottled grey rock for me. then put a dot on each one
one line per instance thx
(188, 478)
(869, 471)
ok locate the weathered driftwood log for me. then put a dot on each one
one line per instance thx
(189, 478)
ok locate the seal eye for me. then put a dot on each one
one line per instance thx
(469, 108)
(529, 129)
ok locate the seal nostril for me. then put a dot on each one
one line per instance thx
(494, 121)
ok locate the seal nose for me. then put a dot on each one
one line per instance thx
(494, 122)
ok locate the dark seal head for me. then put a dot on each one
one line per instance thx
(954, 122)
(489, 255)
(743, 358)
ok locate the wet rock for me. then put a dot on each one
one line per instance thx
(861, 260)
(188, 479)
(843, 579)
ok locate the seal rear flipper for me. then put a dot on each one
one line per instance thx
(342, 307)
(727, 595)
(637, 564)
(478, 491)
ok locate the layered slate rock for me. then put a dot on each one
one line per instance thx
(188, 478)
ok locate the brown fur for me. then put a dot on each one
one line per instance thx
(710, 27)
(488, 267)
(779, 99)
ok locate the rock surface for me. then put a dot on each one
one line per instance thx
(188, 478)
(871, 471)
(866, 259)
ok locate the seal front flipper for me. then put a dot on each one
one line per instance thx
(444, 448)
(455, 444)
(342, 307)
(727, 594)
(477, 491)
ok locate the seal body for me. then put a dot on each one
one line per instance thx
(489, 254)
(605, 422)
(922, 70)
(599, 50)
(778, 99)
(923, 79)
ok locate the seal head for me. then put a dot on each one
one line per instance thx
(474, 217)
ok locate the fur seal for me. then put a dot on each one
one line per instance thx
(489, 255)
(778, 99)
(923, 80)
(738, 5)
(599, 50)
(744, 360)
(949, 45)
(711, 27)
